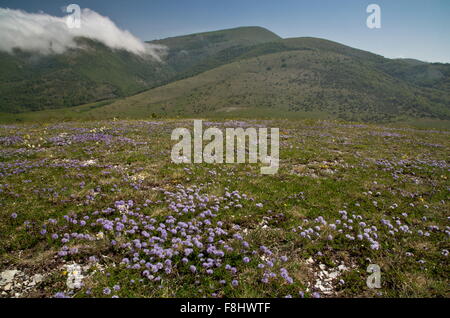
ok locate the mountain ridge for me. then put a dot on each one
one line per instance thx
(94, 72)
(303, 75)
(291, 81)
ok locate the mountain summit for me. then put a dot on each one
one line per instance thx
(246, 71)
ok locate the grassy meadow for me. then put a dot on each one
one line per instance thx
(97, 209)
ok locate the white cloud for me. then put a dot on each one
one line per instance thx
(49, 34)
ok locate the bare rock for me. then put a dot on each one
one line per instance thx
(7, 277)
(37, 278)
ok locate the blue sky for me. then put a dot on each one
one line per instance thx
(410, 28)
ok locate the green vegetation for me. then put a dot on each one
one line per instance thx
(187, 53)
(64, 184)
(34, 82)
(31, 82)
(227, 74)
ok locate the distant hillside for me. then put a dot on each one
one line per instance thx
(31, 82)
(185, 52)
(297, 77)
(431, 75)
(231, 73)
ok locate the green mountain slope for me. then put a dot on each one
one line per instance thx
(31, 82)
(231, 73)
(294, 77)
(430, 75)
(35, 82)
(185, 52)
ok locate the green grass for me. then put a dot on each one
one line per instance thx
(326, 166)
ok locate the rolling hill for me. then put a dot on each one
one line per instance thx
(292, 78)
(35, 82)
(31, 82)
(252, 72)
(187, 53)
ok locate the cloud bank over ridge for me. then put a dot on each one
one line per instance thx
(48, 34)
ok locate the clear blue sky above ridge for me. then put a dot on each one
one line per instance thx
(410, 28)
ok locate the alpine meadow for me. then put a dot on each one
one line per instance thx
(97, 199)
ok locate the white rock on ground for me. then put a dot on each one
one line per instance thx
(326, 278)
(7, 277)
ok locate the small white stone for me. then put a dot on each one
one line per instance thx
(342, 268)
(334, 275)
(8, 276)
(38, 278)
